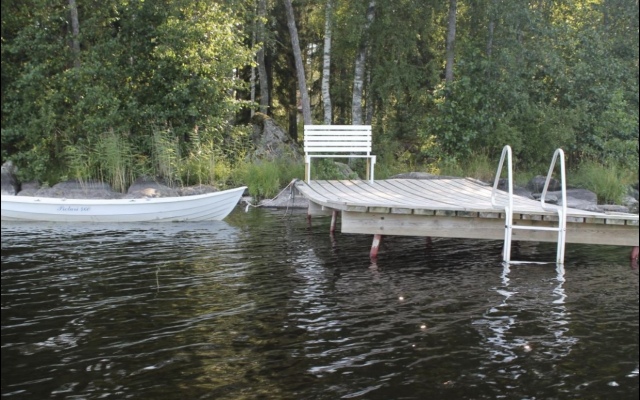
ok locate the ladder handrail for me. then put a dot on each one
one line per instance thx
(562, 210)
(563, 180)
(506, 151)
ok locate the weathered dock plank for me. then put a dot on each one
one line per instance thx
(455, 207)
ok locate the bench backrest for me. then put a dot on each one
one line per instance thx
(337, 139)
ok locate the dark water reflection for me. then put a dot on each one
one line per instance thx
(261, 306)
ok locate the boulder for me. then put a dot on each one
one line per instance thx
(517, 190)
(73, 189)
(197, 189)
(581, 199)
(631, 203)
(614, 208)
(632, 191)
(548, 199)
(146, 187)
(271, 142)
(414, 175)
(29, 188)
(536, 184)
(10, 185)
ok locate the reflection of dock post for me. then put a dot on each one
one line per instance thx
(334, 217)
(375, 246)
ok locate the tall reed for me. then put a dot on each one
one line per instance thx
(166, 156)
(115, 160)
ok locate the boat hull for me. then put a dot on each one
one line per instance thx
(204, 207)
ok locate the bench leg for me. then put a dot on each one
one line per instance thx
(368, 169)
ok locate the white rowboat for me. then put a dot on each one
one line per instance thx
(202, 207)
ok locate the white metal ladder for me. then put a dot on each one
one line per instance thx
(509, 226)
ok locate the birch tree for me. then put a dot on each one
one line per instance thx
(359, 73)
(297, 54)
(75, 32)
(326, 64)
(451, 38)
(262, 70)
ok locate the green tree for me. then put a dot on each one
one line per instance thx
(144, 66)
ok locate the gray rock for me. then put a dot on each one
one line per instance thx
(581, 199)
(633, 191)
(631, 203)
(271, 142)
(74, 189)
(197, 189)
(29, 188)
(420, 175)
(10, 185)
(548, 199)
(614, 208)
(345, 171)
(146, 187)
(536, 184)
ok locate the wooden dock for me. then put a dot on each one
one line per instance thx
(455, 207)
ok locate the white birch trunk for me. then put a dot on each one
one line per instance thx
(358, 76)
(326, 64)
(297, 55)
(75, 32)
(451, 38)
(262, 69)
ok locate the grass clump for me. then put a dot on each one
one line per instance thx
(265, 179)
(478, 166)
(608, 182)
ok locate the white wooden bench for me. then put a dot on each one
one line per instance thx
(338, 141)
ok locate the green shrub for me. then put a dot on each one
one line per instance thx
(608, 182)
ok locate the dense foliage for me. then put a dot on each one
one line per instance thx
(166, 86)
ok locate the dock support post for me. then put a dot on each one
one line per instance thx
(634, 253)
(334, 216)
(375, 246)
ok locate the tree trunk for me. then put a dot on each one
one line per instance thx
(358, 76)
(451, 38)
(369, 102)
(295, 44)
(326, 64)
(75, 32)
(262, 69)
(492, 24)
(292, 113)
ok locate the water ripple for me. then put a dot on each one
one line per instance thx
(263, 305)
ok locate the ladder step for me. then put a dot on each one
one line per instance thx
(535, 228)
(508, 207)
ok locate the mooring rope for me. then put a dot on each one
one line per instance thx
(264, 203)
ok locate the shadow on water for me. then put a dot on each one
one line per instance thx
(264, 306)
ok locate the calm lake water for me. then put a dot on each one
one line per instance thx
(264, 306)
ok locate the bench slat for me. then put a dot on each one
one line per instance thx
(337, 133)
(360, 128)
(338, 143)
(336, 137)
(341, 141)
(335, 149)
